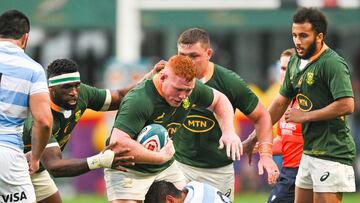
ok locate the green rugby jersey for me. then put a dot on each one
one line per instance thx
(197, 142)
(143, 105)
(320, 83)
(65, 121)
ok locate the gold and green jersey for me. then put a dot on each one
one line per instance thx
(197, 142)
(64, 121)
(143, 105)
(320, 83)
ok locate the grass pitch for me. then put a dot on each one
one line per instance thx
(241, 198)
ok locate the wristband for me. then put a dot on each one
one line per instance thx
(265, 148)
(101, 160)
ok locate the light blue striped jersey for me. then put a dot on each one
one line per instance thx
(20, 77)
(204, 193)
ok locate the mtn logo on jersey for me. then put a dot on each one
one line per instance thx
(305, 103)
(153, 137)
(14, 197)
(198, 124)
(325, 176)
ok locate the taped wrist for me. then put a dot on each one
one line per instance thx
(265, 149)
(101, 160)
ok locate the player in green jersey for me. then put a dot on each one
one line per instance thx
(166, 99)
(69, 100)
(196, 143)
(319, 79)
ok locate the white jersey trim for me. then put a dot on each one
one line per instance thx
(107, 101)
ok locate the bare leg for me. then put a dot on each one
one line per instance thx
(303, 195)
(327, 197)
(54, 198)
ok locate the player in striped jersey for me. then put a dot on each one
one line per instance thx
(193, 192)
(22, 88)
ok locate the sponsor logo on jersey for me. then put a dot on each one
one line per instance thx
(325, 176)
(14, 197)
(304, 102)
(196, 123)
(310, 78)
(186, 103)
(159, 118)
(172, 128)
(77, 115)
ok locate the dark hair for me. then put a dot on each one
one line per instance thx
(158, 191)
(60, 66)
(194, 35)
(312, 15)
(13, 24)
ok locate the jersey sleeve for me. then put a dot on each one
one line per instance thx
(96, 98)
(240, 97)
(337, 77)
(38, 82)
(202, 95)
(133, 113)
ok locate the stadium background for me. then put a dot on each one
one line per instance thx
(116, 41)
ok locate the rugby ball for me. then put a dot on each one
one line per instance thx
(153, 137)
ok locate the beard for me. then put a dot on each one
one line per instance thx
(63, 104)
(309, 53)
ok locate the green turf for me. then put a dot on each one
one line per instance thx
(241, 198)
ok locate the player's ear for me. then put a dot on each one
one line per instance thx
(209, 53)
(163, 75)
(169, 199)
(320, 37)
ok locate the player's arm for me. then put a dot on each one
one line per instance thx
(224, 113)
(262, 122)
(278, 108)
(59, 167)
(263, 128)
(277, 145)
(340, 107)
(139, 152)
(40, 109)
(118, 95)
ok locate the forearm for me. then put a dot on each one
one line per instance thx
(224, 113)
(68, 168)
(138, 151)
(263, 128)
(336, 109)
(278, 108)
(40, 138)
(118, 95)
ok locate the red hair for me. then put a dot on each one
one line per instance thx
(182, 66)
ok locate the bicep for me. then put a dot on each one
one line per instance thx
(216, 99)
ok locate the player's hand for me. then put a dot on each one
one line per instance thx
(234, 148)
(295, 115)
(266, 162)
(168, 151)
(33, 164)
(121, 158)
(157, 68)
(250, 145)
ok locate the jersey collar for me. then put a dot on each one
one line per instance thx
(209, 73)
(55, 107)
(316, 56)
